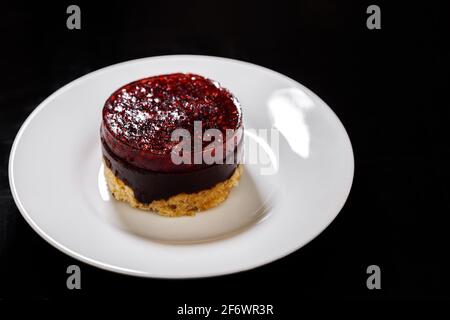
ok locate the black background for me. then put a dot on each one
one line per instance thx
(387, 86)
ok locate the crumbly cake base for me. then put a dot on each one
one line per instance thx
(178, 205)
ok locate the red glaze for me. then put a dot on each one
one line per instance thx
(138, 119)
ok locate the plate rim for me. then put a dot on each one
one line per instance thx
(132, 272)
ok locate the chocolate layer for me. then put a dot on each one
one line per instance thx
(151, 185)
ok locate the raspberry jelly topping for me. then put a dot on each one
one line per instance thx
(139, 118)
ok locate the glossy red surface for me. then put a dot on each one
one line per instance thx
(139, 118)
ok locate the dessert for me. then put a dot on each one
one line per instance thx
(138, 145)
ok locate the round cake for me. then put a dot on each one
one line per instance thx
(137, 134)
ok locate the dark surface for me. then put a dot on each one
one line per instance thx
(389, 87)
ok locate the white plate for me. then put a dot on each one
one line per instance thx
(55, 177)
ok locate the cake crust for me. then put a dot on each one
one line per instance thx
(178, 205)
